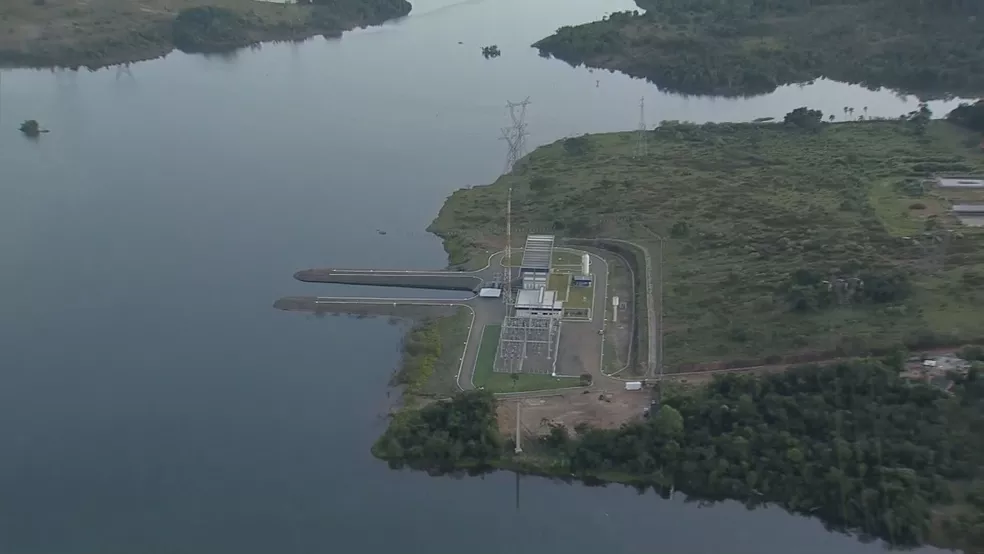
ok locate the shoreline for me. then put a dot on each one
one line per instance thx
(57, 37)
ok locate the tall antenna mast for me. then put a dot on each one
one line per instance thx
(507, 261)
(641, 148)
(515, 137)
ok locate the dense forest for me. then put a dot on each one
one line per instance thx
(970, 116)
(746, 47)
(445, 435)
(852, 444)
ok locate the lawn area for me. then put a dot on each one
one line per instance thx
(453, 332)
(488, 379)
(580, 297)
(559, 282)
(760, 221)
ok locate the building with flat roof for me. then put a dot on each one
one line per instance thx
(537, 253)
(490, 292)
(969, 209)
(960, 182)
(582, 281)
(538, 303)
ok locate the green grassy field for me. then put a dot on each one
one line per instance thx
(580, 297)
(747, 210)
(560, 282)
(488, 379)
(453, 332)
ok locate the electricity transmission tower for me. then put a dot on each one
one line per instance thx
(641, 147)
(515, 136)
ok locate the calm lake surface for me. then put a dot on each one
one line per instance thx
(152, 401)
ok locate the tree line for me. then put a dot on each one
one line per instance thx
(852, 443)
(748, 47)
(452, 434)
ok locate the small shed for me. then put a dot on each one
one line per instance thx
(582, 281)
(968, 209)
(490, 293)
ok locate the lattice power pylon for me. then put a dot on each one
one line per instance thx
(515, 136)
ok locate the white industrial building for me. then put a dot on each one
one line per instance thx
(535, 267)
(960, 182)
(538, 303)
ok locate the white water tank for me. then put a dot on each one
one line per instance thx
(633, 385)
(585, 265)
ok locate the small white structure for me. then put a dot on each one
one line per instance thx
(490, 293)
(585, 265)
(538, 303)
(614, 308)
(929, 363)
(960, 182)
(633, 385)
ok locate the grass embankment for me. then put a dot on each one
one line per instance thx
(770, 229)
(68, 33)
(431, 354)
(486, 378)
(744, 47)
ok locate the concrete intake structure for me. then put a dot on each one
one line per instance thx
(435, 280)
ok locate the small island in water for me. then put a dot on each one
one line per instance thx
(66, 33)
(747, 47)
(828, 249)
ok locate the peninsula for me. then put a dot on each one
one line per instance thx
(748, 47)
(73, 33)
(782, 242)
(807, 239)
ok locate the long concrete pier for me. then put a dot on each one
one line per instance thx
(435, 280)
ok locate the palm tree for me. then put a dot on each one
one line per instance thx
(831, 118)
(866, 112)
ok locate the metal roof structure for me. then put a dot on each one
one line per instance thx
(960, 182)
(490, 293)
(537, 253)
(538, 299)
(969, 208)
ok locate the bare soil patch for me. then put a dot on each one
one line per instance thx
(573, 408)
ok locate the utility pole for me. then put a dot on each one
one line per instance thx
(519, 449)
(641, 147)
(507, 260)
